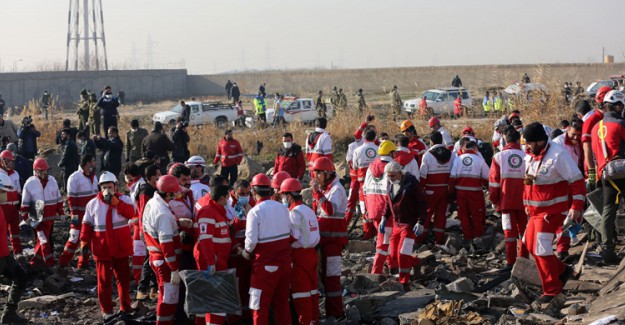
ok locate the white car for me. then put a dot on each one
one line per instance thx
(439, 101)
(296, 109)
(217, 113)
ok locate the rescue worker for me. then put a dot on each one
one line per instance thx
(268, 246)
(108, 105)
(505, 188)
(498, 141)
(260, 107)
(197, 164)
(330, 202)
(364, 126)
(570, 140)
(212, 249)
(466, 133)
(469, 173)
(404, 156)
(434, 175)
(290, 158)
(342, 101)
(162, 239)
(10, 207)
(416, 145)
(376, 189)
(42, 187)
(276, 182)
(396, 103)
(318, 143)
(134, 180)
(435, 125)
(105, 229)
(82, 186)
(608, 138)
(554, 190)
(362, 104)
(408, 209)
(355, 196)
(305, 232)
(589, 124)
(9, 267)
(498, 103)
(229, 154)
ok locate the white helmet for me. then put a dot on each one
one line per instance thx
(107, 177)
(5, 182)
(613, 97)
(195, 161)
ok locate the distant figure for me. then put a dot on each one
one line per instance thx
(456, 82)
(108, 111)
(240, 121)
(320, 106)
(261, 90)
(2, 105)
(186, 112)
(45, 102)
(235, 93)
(396, 103)
(526, 78)
(121, 96)
(228, 89)
(83, 110)
(362, 104)
(70, 157)
(342, 100)
(334, 98)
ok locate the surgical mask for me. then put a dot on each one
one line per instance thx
(91, 169)
(285, 202)
(244, 200)
(107, 191)
(287, 145)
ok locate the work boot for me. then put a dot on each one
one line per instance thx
(609, 256)
(10, 316)
(394, 271)
(153, 294)
(562, 255)
(566, 275)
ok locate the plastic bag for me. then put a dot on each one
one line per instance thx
(595, 208)
(218, 293)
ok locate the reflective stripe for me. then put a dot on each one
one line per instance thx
(300, 295)
(468, 188)
(272, 238)
(546, 203)
(204, 236)
(438, 230)
(77, 208)
(221, 224)
(239, 234)
(164, 318)
(85, 193)
(10, 203)
(222, 240)
(338, 215)
(467, 176)
(116, 225)
(579, 197)
(404, 270)
(153, 249)
(381, 252)
(237, 155)
(206, 220)
(436, 185)
(333, 294)
(332, 234)
(170, 259)
(69, 250)
(314, 292)
(494, 184)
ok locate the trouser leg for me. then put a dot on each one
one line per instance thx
(14, 272)
(381, 247)
(138, 255)
(167, 293)
(478, 212)
(510, 231)
(464, 214)
(608, 216)
(303, 283)
(405, 247)
(121, 269)
(539, 238)
(72, 245)
(352, 199)
(13, 223)
(104, 272)
(331, 272)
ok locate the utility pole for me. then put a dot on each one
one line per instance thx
(90, 38)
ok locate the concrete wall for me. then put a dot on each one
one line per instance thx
(139, 85)
(407, 79)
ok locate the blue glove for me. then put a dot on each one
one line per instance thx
(210, 270)
(382, 225)
(239, 210)
(418, 229)
(574, 230)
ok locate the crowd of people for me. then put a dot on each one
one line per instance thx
(176, 217)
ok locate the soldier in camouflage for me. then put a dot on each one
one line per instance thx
(334, 98)
(320, 106)
(396, 103)
(342, 100)
(83, 111)
(362, 104)
(94, 115)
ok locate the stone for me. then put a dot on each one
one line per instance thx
(385, 296)
(525, 271)
(409, 318)
(407, 303)
(44, 302)
(89, 302)
(441, 274)
(391, 285)
(461, 285)
(307, 196)
(574, 309)
(500, 301)
(426, 256)
(55, 284)
(365, 307)
(353, 315)
(388, 321)
(360, 246)
(364, 282)
(248, 168)
(542, 318)
(342, 170)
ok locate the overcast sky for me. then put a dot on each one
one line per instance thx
(212, 36)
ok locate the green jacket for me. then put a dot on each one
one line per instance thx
(134, 140)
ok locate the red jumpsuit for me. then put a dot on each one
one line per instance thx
(330, 206)
(318, 144)
(434, 174)
(268, 237)
(162, 239)
(505, 188)
(47, 191)
(353, 197)
(212, 247)
(468, 173)
(558, 186)
(11, 211)
(418, 148)
(138, 245)
(304, 279)
(80, 190)
(105, 227)
(364, 155)
(377, 201)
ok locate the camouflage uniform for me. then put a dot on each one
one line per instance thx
(362, 104)
(94, 115)
(342, 100)
(83, 110)
(320, 106)
(396, 103)
(334, 99)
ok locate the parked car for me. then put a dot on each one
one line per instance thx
(296, 109)
(217, 113)
(439, 101)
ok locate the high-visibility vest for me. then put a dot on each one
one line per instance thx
(498, 104)
(487, 104)
(259, 105)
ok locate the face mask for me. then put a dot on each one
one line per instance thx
(91, 169)
(244, 199)
(396, 182)
(178, 196)
(285, 202)
(287, 145)
(107, 191)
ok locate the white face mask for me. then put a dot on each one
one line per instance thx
(287, 145)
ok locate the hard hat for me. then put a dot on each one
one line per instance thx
(7, 185)
(386, 147)
(171, 168)
(468, 129)
(40, 164)
(278, 178)
(261, 180)
(514, 115)
(6, 154)
(290, 185)
(168, 184)
(196, 161)
(405, 125)
(107, 177)
(613, 97)
(601, 94)
(323, 164)
(433, 121)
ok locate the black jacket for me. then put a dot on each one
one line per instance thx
(235, 92)
(181, 145)
(87, 146)
(157, 143)
(409, 204)
(69, 157)
(112, 150)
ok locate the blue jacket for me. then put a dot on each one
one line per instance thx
(27, 139)
(108, 105)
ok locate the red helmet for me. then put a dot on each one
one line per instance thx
(513, 115)
(323, 164)
(290, 185)
(261, 180)
(468, 130)
(7, 154)
(433, 121)
(171, 168)
(278, 178)
(40, 164)
(601, 94)
(168, 184)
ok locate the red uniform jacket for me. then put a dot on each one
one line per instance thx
(291, 161)
(229, 152)
(505, 181)
(213, 237)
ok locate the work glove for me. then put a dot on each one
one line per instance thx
(591, 183)
(210, 270)
(381, 226)
(186, 238)
(246, 255)
(418, 229)
(175, 278)
(75, 221)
